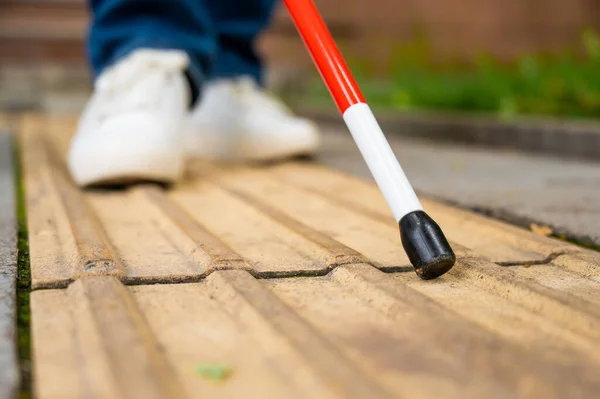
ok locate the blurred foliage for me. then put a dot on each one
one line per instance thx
(566, 84)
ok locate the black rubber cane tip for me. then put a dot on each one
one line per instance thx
(426, 246)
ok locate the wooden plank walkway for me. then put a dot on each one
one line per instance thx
(292, 277)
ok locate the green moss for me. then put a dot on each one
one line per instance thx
(565, 84)
(585, 244)
(23, 285)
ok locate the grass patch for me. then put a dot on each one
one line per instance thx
(584, 244)
(23, 284)
(562, 85)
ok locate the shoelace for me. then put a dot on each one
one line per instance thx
(120, 81)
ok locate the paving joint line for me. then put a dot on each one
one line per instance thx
(138, 281)
(546, 261)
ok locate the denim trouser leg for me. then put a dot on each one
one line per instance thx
(218, 35)
(121, 26)
(237, 24)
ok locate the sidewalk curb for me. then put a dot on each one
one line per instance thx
(9, 377)
(569, 139)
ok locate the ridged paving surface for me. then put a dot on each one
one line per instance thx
(293, 276)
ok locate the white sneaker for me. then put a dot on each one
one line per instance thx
(236, 121)
(130, 129)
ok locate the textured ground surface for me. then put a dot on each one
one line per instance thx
(289, 281)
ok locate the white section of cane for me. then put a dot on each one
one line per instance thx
(381, 160)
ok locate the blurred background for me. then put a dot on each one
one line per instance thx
(507, 58)
(490, 105)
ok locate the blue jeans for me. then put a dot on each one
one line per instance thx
(218, 35)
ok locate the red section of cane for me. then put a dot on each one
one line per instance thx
(325, 53)
(423, 240)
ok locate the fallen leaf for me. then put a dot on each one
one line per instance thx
(214, 371)
(541, 229)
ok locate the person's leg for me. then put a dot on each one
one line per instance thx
(237, 24)
(120, 27)
(150, 58)
(237, 119)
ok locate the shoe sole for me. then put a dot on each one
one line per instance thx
(125, 162)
